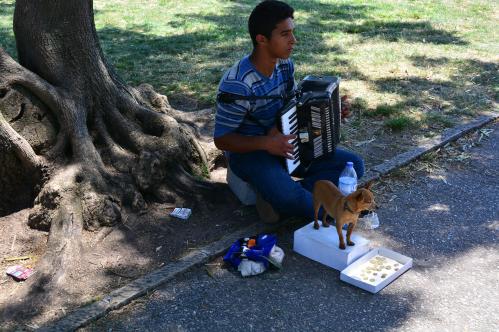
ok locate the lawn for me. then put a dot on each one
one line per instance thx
(408, 64)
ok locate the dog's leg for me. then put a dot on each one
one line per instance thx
(317, 206)
(324, 219)
(340, 234)
(350, 229)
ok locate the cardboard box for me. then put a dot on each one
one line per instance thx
(351, 273)
(322, 245)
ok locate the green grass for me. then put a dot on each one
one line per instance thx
(359, 105)
(399, 123)
(385, 110)
(425, 56)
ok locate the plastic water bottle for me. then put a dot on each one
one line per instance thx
(348, 179)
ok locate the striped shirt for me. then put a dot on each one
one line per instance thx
(243, 79)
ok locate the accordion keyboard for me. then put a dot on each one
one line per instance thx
(289, 123)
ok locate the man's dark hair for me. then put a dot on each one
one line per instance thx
(265, 16)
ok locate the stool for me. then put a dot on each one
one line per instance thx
(243, 190)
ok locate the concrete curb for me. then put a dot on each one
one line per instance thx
(142, 286)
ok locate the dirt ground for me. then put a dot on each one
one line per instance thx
(114, 256)
(146, 241)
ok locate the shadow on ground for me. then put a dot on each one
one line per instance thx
(419, 32)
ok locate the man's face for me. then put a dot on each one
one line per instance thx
(282, 41)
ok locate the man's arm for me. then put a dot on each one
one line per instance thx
(274, 143)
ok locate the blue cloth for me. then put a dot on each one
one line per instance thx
(258, 253)
(243, 79)
(266, 173)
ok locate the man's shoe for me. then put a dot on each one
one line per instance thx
(364, 213)
(265, 211)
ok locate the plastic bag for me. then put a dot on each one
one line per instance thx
(370, 221)
(276, 256)
(252, 255)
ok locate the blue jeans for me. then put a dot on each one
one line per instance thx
(267, 174)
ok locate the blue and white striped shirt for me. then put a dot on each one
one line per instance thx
(243, 79)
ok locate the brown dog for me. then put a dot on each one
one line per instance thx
(344, 209)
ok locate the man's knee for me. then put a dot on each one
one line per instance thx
(358, 165)
(287, 200)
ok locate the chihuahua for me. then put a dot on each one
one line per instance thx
(344, 209)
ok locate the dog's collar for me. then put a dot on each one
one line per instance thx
(346, 207)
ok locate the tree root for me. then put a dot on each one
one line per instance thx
(12, 73)
(57, 151)
(120, 158)
(47, 285)
(23, 150)
(128, 134)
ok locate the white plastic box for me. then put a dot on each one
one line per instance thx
(322, 246)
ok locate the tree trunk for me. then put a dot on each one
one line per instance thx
(116, 145)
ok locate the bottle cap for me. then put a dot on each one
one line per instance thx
(349, 164)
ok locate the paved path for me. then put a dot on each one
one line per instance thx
(447, 221)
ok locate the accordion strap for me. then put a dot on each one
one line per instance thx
(227, 97)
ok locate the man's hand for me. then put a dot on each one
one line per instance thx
(279, 144)
(274, 131)
(274, 143)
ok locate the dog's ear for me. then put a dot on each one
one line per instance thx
(368, 185)
(359, 196)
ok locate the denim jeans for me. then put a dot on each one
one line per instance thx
(267, 174)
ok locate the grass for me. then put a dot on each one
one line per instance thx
(432, 59)
(399, 123)
(359, 105)
(385, 110)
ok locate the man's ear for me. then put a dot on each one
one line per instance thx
(261, 39)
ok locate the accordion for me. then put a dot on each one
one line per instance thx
(314, 117)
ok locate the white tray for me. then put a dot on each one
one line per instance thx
(351, 273)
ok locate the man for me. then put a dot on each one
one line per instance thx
(246, 128)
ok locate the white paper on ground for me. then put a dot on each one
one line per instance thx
(250, 268)
(182, 213)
